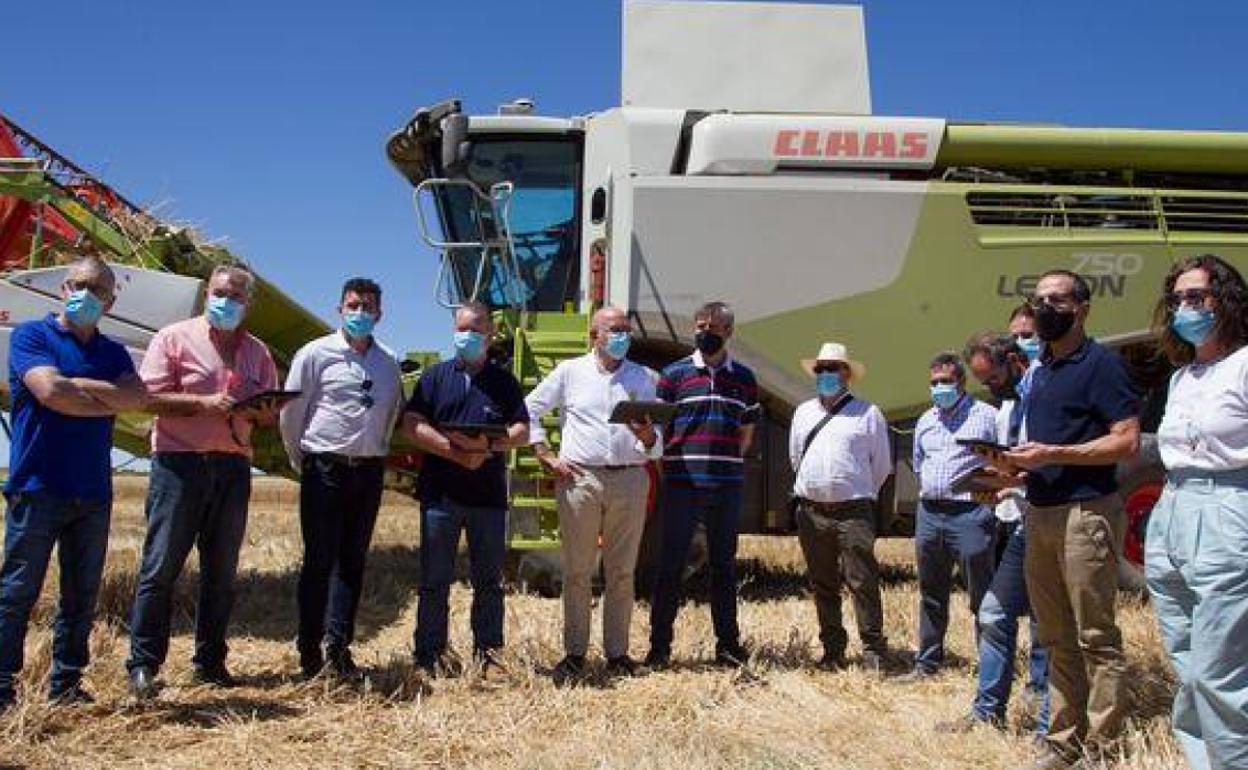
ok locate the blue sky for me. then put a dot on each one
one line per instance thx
(263, 122)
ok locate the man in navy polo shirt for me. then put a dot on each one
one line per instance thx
(1081, 419)
(67, 382)
(702, 480)
(463, 486)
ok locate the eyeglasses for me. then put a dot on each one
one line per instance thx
(101, 290)
(1189, 297)
(1036, 302)
(366, 398)
(826, 368)
(1024, 335)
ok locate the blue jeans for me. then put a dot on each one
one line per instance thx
(719, 510)
(947, 534)
(441, 523)
(192, 500)
(1002, 606)
(36, 522)
(1198, 580)
(337, 510)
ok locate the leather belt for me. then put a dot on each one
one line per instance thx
(858, 504)
(349, 461)
(953, 507)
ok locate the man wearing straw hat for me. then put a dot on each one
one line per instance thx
(839, 448)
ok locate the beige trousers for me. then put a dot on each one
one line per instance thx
(610, 503)
(1072, 579)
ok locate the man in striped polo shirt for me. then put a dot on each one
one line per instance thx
(702, 479)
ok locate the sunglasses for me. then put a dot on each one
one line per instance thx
(1189, 297)
(1024, 335)
(366, 398)
(1036, 302)
(828, 368)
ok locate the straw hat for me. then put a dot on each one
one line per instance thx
(831, 352)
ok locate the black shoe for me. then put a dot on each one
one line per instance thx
(311, 662)
(142, 683)
(217, 676)
(831, 662)
(569, 672)
(342, 664)
(73, 695)
(624, 666)
(731, 655)
(658, 658)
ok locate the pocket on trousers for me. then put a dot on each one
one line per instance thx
(1098, 537)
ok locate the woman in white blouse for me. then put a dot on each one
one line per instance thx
(1197, 548)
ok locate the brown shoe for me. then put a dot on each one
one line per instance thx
(1049, 759)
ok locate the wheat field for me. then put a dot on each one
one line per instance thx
(778, 712)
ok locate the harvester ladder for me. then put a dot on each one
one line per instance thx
(541, 341)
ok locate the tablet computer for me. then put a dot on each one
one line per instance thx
(266, 400)
(474, 429)
(638, 411)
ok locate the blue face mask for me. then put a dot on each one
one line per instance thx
(1192, 325)
(83, 308)
(945, 395)
(358, 323)
(618, 344)
(224, 313)
(828, 383)
(469, 346)
(1030, 346)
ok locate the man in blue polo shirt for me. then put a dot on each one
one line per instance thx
(702, 480)
(67, 381)
(463, 486)
(1081, 419)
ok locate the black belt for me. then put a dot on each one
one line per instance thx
(950, 506)
(856, 505)
(349, 461)
(610, 467)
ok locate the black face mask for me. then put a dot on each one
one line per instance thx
(708, 342)
(1052, 324)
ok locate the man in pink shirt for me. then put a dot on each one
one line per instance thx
(200, 483)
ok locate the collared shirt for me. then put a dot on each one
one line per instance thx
(1206, 422)
(585, 393)
(938, 457)
(447, 393)
(53, 452)
(1073, 400)
(182, 359)
(704, 443)
(850, 457)
(337, 412)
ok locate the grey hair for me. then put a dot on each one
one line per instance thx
(236, 273)
(712, 310)
(90, 264)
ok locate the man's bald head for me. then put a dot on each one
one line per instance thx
(606, 318)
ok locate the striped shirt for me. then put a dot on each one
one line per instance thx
(938, 457)
(704, 443)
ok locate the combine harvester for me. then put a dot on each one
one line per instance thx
(51, 212)
(744, 165)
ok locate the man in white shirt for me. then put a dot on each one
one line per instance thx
(839, 449)
(337, 434)
(602, 484)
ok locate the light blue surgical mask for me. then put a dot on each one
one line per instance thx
(469, 346)
(83, 309)
(358, 323)
(1030, 346)
(945, 395)
(618, 344)
(828, 383)
(224, 313)
(1192, 325)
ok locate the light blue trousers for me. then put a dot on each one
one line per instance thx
(1196, 558)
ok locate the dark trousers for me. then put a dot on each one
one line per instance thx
(338, 505)
(947, 534)
(840, 548)
(441, 523)
(719, 510)
(195, 500)
(35, 522)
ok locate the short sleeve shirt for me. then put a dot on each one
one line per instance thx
(703, 446)
(1073, 400)
(447, 393)
(52, 452)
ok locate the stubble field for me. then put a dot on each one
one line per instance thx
(778, 712)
